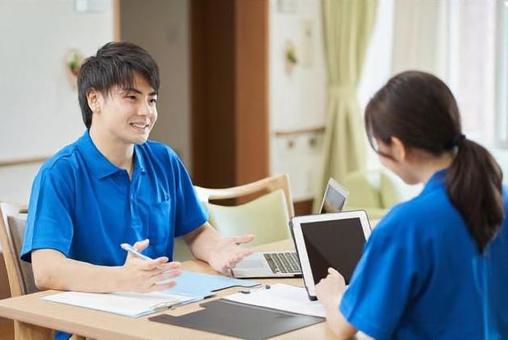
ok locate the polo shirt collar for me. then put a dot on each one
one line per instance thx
(99, 165)
(437, 180)
(139, 162)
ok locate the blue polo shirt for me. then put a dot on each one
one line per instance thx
(84, 206)
(416, 277)
(492, 274)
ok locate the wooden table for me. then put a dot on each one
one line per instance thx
(34, 317)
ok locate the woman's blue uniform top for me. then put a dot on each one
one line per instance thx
(422, 276)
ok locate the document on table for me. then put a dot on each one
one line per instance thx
(123, 303)
(282, 297)
(200, 284)
(190, 287)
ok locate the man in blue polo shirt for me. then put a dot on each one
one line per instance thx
(113, 186)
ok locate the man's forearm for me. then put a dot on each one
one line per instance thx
(52, 270)
(202, 241)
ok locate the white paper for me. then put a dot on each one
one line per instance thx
(283, 297)
(122, 303)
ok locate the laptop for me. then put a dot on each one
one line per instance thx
(329, 240)
(282, 264)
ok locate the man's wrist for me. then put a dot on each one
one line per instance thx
(115, 278)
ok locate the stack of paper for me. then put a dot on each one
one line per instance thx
(128, 304)
(282, 297)
(190, 287)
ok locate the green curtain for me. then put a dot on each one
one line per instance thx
(347, 25)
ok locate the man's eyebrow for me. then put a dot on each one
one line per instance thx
(132, 89)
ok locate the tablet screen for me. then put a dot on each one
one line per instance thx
(333, 243)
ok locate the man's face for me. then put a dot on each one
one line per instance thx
(127, 115)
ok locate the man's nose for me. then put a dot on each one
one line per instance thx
(146, 109)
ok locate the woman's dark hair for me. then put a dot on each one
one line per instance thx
(115, 64)
(420, 110)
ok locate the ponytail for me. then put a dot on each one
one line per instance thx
(420, 110)
(474, 184)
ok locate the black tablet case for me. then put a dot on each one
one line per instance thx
(240, 320)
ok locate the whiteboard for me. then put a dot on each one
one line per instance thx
(40, 113)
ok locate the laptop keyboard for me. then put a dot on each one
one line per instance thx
(286, 263)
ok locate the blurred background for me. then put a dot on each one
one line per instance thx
(250, 88)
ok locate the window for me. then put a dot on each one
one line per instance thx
(501, 131)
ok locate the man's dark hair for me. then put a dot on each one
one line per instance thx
(114, 65)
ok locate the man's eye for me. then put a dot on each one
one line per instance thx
(132, 98)
(153, 100)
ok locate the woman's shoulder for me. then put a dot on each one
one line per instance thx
(422, 210)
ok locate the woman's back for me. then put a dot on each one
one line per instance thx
(492, 276)
(416, 277)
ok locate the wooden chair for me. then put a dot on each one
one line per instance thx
(262, 208)
(19, 273)
(12, 228)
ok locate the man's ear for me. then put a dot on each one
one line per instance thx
(399, 150)
(93, 98)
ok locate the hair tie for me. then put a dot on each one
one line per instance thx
(457, 140)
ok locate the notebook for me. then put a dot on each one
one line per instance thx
(190, 287)
(286, 263)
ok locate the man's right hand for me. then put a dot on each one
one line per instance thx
(143, 276)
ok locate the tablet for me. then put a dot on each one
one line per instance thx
(329, 240)
(334, 198)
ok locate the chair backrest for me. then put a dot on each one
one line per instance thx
(12, 229)
(371, 190)
(266, 216)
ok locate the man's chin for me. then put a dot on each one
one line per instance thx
(139, 139)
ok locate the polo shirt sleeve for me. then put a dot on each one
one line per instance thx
(49, 224)
(383, 282)
(189, 213)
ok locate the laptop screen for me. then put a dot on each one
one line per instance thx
(334, 198)
(333, 243)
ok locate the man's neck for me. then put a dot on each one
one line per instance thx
(118, 153)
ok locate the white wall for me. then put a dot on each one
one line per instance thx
(297, 97)
(16, 182)
(40, 112)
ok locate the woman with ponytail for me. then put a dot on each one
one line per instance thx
(435, 267)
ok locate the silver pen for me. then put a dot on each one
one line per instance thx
(130, 249)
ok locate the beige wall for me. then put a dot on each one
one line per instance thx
(161, 27)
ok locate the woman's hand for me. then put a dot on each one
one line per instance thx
(329, 289)
(143, 276)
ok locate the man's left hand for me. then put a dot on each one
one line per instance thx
(228, 252)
